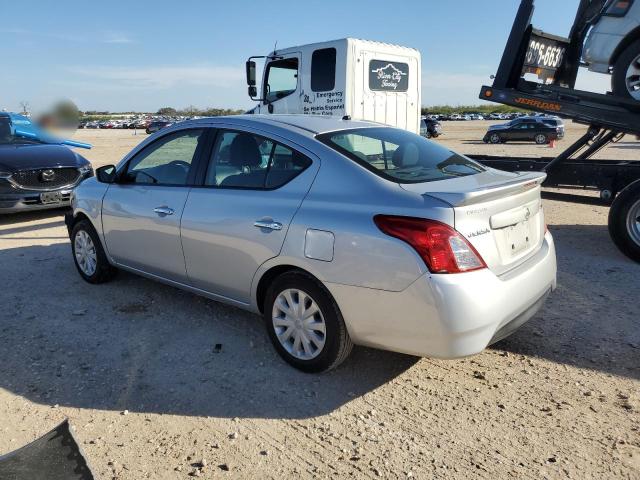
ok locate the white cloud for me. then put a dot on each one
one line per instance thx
(117, 38)
(31, 34)
(451, 88)
(160, 77)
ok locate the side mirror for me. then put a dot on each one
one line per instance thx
(106, 174)
(251, 73)
(253, 91)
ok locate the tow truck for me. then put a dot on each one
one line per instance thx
(554, 61)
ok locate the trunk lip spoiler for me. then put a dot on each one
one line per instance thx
(525, 182)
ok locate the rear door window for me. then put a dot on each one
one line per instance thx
(245, 160)
(286, 164)
(323, 70)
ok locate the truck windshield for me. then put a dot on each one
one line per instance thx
(399, 156)
(282, 78)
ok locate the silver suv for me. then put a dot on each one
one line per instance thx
(613, 46)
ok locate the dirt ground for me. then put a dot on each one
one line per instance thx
(133, 365)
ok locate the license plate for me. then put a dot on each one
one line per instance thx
(518, 238)
(545, 54)
(47, 198)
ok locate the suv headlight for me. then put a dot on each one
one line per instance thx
(85, 169)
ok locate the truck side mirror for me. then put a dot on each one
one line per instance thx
(251, 73)
(253, 91)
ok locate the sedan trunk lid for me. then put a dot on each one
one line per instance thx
(499, 213)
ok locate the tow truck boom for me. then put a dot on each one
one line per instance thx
(555, 61)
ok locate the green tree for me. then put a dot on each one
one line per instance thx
(168, 111)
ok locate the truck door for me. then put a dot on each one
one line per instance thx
(282, 85)
(390, 85)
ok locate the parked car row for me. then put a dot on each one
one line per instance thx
(149, 124)
(480, 116)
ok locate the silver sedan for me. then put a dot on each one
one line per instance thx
(337, 232)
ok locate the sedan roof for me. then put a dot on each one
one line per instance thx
(310, 124)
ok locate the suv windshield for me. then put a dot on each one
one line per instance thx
(7, 137)
(400, 156)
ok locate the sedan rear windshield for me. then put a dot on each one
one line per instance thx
(398, 155)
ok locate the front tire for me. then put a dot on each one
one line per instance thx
(305, 324)
(88, 254)
(541, 139)
(624, 221)
(625, 81)
(495, 138)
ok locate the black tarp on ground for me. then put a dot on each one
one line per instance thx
(54, 456)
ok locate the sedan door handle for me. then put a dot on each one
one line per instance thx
(163, 211)
(269, 224)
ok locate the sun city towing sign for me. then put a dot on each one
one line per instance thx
(393, 76)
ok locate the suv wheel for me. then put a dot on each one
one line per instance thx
(88, 255)
(305, 324)
(541, 139)
(625, 81)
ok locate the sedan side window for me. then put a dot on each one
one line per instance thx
(286, 164)
(244, 160)
(166, 161)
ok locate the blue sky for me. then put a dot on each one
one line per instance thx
(121, 55)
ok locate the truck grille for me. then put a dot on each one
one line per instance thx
(46, 178)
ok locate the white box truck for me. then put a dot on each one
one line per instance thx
(354, 78)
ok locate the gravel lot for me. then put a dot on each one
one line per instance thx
(133, 365)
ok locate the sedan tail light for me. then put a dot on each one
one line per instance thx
(441, 247)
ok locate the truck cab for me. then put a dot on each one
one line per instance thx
(360, 79)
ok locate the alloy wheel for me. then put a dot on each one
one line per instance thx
(540, 139)
(299, 324)
(632, 78)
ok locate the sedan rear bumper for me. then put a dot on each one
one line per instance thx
(449, 316)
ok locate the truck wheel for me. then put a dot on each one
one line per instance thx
(625, 81)
(624, 221)
(495, 138)
(541, 139)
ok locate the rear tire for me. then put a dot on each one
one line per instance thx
(541, 139)
(305, 292)
(624, 221)
(625, 81)
(88, 254)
